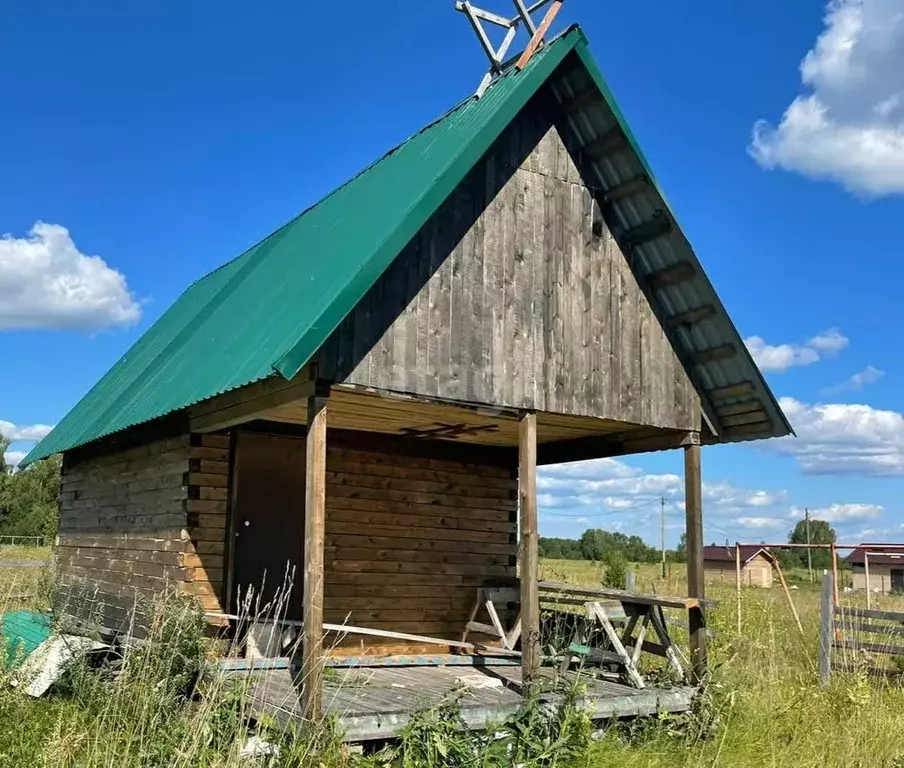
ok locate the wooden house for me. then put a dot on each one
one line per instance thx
(366, 393)
(878, 568)
(720, 564)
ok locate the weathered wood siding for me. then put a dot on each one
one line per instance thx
(410, 537)
(508, 297)
(122, 528)
(136, 520)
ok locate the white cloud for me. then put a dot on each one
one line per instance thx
(843, 439)
(13, 457)
(30, 432)
(612, 486)
(849, 126)
(724, 494)
(869, 375)
(841, 513)
(781, 357)
(47, 283)
(760, 523)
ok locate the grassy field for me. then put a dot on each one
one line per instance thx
(763, 706)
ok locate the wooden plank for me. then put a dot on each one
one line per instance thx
(616, 594)
(865, 613)
(692, 316)
(537, 38)
(672, 275)
(722, 352)
(733, 390)
(529, 554)
(856, 645)
(866, 626)
(346, 629)
(693, 495)
(205, 420)
(314, 534)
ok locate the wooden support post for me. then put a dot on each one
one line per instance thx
(693, 500)
(826, 628)
(737, 557)
(314, 529)
(834, 553)
(787, 593)
(529, 552)
(866, 572)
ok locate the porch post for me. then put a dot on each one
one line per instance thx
(314, 526)
(529, 553)
(693, 499)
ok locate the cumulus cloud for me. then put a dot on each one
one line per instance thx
(781, 357)
(849, 125)
(612, 486)
(47, 283)
(13, 457)
(840, 438)
(869, 375)
(841, 513)
(30, 432)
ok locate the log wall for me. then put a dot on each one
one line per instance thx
(410, 537)
(136, 520)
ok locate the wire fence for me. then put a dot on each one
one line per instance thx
(22, 541)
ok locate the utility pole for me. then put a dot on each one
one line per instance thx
(809, 551)
(662, 532)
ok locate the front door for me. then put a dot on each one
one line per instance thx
(268, 522)
(897, 579)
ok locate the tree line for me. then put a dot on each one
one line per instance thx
(597, 544)
(29, 497)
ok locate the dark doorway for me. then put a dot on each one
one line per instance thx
(897, 579)
(268, 518)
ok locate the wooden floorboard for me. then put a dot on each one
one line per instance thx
(374, 702)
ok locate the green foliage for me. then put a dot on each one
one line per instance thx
(595, 543)
(615, 569)
(28, 497)
(820, 533)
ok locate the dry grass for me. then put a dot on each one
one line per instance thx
(764, 705)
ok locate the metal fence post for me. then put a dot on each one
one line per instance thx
(826, 627)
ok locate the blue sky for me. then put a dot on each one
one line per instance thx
(143, 145)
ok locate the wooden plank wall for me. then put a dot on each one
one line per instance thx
(508, 297)
(121, 535)
(411, 536)
(206, 518)
(134, 521)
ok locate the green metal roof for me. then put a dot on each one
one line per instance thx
(269, 310)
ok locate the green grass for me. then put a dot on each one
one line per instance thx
(763, 707)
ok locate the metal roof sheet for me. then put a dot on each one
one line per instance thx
(269, 310)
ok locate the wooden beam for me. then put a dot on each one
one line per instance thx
(626, 189)
(732, 390)
(528, 560)
(604, 446)
(674, 273)
(314, 534)
(692, 316)
(693, 500)
(583, 99)
(248, 403)
(745, 430)
(605, 144)
(741, 419)
(537, 38)
(735, 408)
(649, 230)
(712, 354)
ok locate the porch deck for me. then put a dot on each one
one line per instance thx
(375, 703)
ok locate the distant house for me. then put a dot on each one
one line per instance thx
(886, 569)
(756, 565)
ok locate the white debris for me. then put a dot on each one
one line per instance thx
(51, 658)
(478, 682)
(258, 747)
